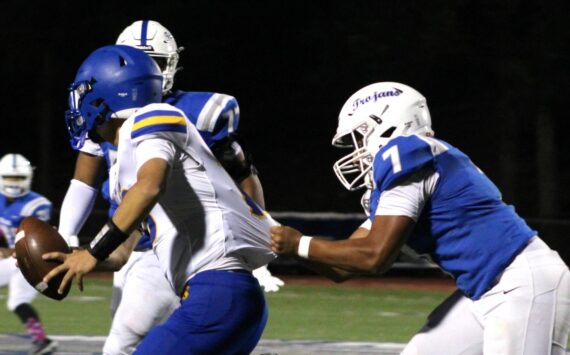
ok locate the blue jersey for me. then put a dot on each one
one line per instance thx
(13, 212)
(465, 226)
(215, 115)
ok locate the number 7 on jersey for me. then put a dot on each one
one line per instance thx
(394, 156)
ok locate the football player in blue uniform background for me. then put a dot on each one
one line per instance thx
(216, 116)
(513, 291)
(16, 203)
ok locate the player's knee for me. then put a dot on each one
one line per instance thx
(12, 305)
(410, 349)
(119, 343)
(415, 346)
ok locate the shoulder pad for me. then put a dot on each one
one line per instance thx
(399, 159)
(165, 122)
(215, 115)
(37, 206)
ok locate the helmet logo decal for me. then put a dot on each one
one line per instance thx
(146, 48)
(168, 37)
(374, 97)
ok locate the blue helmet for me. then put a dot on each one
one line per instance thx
(112, 82)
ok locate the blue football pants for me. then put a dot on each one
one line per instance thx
(225, 313)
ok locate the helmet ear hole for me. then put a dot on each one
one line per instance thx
(388, 133)
(122, 61)
(161, 62)
(97, 102)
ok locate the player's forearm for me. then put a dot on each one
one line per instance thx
(135, 206)
(252, 187)
(352, 255)
(89, 169)
(120, 256)
(372, 251)
(142, 196)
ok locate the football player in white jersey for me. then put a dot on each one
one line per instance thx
(17, 202)
(513, 290)
(217, 117)
(206, 233)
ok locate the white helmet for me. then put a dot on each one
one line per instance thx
(370, 118)
(158, 42)
(16, 174)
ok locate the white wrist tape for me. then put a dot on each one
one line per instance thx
(303, 249)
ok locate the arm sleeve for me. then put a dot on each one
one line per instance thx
(409, 197)
(76, 206)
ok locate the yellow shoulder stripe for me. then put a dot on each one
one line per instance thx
(154, 120)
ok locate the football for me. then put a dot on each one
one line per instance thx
(34, 239)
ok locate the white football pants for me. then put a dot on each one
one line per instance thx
(19, 290)
(526, 313)
(142, 298)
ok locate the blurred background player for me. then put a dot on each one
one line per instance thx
(513, 290)
(217, 117)
(16, 203)
(206, 233)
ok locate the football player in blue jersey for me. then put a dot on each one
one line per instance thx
(513, 291)
(217, 117)
(16, 203)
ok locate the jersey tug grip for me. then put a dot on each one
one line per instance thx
(106, 241)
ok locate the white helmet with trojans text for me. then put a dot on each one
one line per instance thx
(370, 118)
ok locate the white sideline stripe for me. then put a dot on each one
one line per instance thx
(94, 338)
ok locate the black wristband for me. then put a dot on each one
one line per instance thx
(107, 240)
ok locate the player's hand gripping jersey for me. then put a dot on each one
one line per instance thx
(190, 223)
(462, 223)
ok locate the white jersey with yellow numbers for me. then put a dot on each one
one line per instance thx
(202, 221)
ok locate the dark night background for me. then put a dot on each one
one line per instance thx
(495, 75)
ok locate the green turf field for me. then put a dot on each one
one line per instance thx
(295, 312)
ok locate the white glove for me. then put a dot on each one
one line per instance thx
(269, 282)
